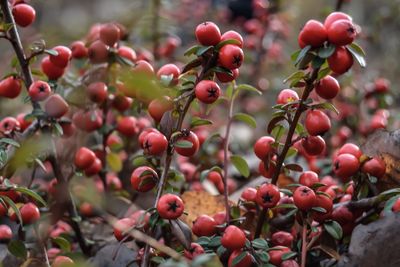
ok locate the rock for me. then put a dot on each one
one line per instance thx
(124, 256)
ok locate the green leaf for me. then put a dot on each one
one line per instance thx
(278, 132)
(358, 53)
(225, 42)
(158, 260)
(327, 106)
(323, 73)
(286, 191)
(18, 249)
(302, 54)
(202, 50)
(202, 259)
(241, 165)
(273, 123)
(192, 50)
(295, 55)
(300, 129)
(243, 117)
(319, 209)
(32, 194)
(183, 144)
(58, 129)
(285, 206)
(51, 52)
(294, 167)
(13, 206)
(317, 62)
(325, 52)
(263, 256)
(296, 76)
(196, 121)
(114, 161)
(389, 204)
(334, 229)
(239, 258)
(291, 152)
(9, 141)
(260, 243)
(222, 70)
(215, 241)
(63, 243)
(288, 255)
(191, 65)
(248, 87)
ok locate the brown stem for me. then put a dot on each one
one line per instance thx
(304, 246)
(17, 46)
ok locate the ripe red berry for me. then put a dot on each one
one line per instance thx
(276, 253)
(159, 106)
(282, 238)
(207, 91)
(313, 33)
(97, 92)
(56, 106)
(10, 87)
(208, 33)
(342, 215)
(328, 87)
(188, 151)
(170, 207)
(233, 238)
(263, 147)
(195, 250)
(143, 67)
(109, 34)
(9, 125)
(375, 167)
(88, 120)
(84, 158)
(24, 15)
(127, 126)
(98, 52)
(317, 122)
(352, 149)
(334, 16)
(267, 173)
(304, 198)
(249, 194)
(204, 225)
(341, 32)
(143, 135)
(268, 195)
(326, 203)
(127, 52)
(143, 179)
(155, 143)
(121, 102)
(121, 226)
(382, 85)
(233, 35)
(39, 91)
(226, 78)
(396, 206)
(289, 263)
(246, 261)
(63, 57)
(95, 168)
(215, 177)
(345, 165)
(286, 96)
(308, 178)
(5, 233)
(231, 56)
(340, 61)
(78, 50)
(63, 261)
(29, 213)
(52, 71)
(313, 145)
(169, 70)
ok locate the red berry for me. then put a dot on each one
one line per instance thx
(121, 103)
(334, 16)
(263, 147)
(340, 61)
(170, 207)
(24, 14)
(195, 250)
(84, 158)
(308, 178)
(304, 198)
(276, 253)
(226, 78)
(56, 106)
(190, 151)
(5, 232)
(52, 71)
(286, 96)
(155, 143)
(268, 195)
(10, 87)
(143, 135)
(396, 206)
(9, 125)
(98, 52)
(97, 92)
(313, 33)
(109, 34)
(95, 168)
(246, 261)
(282, 238)
(207, 91)
(144, 67)
(233, 238)
(159, 106)
(39, 91)
(207, 33)
(317, 122)
(204, 225)
(127, 52)
(326, 203)
(169, 70)
(313, 145)
(249, 194)
(341, 32)
(88, 120)
(78, 50)
(29, 213)
(382, 85)
(267, 173)
(345, 165)
(231, 56)
(352, 149)
(143, 179)
(63, 57)
(233, 35)
(289, 263)
(375, 167)
(342, 215)
(215, 177)
(328, 87)
(127, 126)
(122, 226)
(63, 261)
